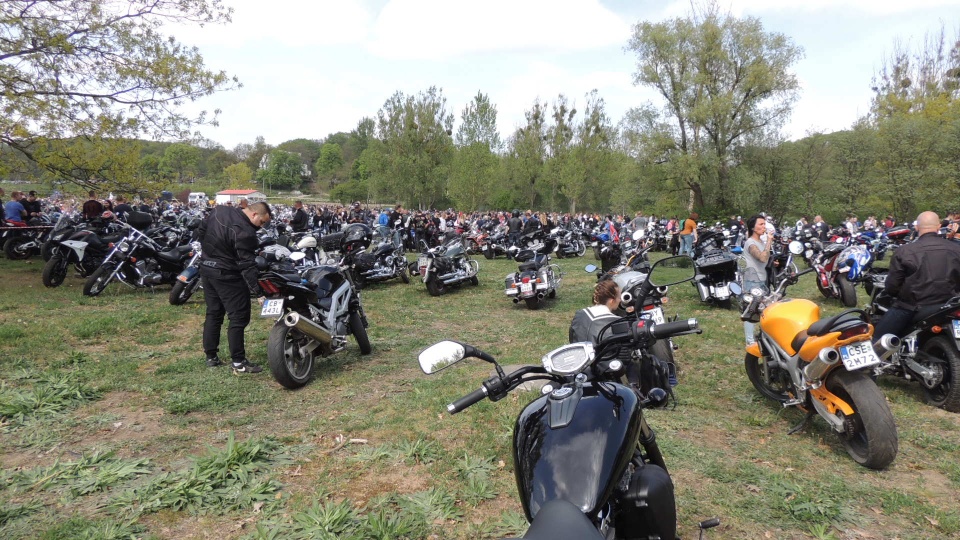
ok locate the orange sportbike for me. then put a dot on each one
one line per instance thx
(820, 366)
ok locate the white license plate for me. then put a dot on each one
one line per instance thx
(423, 261)
(655, 314)
(272, 308)
(593, 244)
(723, 291)
(858, 355)
(956, 329)
(526, 287)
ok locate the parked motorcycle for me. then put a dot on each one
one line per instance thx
(84, 249)
(929, 352)
(494, 245)
(535, 279)
(446, 265)
(24, 242)
(569, 243)
(839, 267)
(188, 280)
(138, 260)
(716, 268)
(821, 367)
(314, 314)
(583, 415)
(384, 263)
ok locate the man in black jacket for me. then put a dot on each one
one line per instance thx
(924, 273)
(228, 239)
(299, 223)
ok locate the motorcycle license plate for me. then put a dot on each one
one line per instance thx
(858, 356)
(655, 314)
(723, 291)
(272, 308)
(423, 261)
(956, 328)
(526, 287)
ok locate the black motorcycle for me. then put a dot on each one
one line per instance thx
(447, 265)
(188, 280)
(383, 263)
(494, 245)
(930, 351)
(83, 249)
(716, 268)
(21, 243)
(584, 415)
(140, 259)
(569, 243)
(314, 312)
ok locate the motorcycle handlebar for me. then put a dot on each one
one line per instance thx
(467, 400)
(669, 329)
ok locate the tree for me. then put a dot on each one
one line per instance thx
(308, 150)
(239, 176)
(329, 166)
(722, 78)
(478, 124)
(475, 165)
(78, 76)
(526, 155)
(282, 171)
(180, 162)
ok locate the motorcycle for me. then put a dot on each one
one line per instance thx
(583, 415)
(495, 244)
(446, 265)
(820, 366)
(314, 313)
(84, 249)
(716, 268)
(138, 260)
(25, 242)
(929, 353)
(535, 279)
(839, 267)
(188, 280)
(384, 263)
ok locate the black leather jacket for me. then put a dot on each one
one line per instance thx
(299, 221)
(228, 240)
(924, 272)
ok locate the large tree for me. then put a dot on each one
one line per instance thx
(99, 71)
(475, 165)
(721, 78)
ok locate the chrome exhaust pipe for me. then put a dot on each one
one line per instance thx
(886, 345)
(626, 298)
(516, 300)
(307, 327)
(540, 296)
(823, 363)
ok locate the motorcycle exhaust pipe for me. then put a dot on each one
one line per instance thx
(818, 368)
(307, 327)
(886, 345)
(516, 300)
(626, 298)
(540, 296)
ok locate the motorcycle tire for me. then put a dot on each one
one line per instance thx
(404, 277)
(287, 365)
(360, 333)
(945, 395)
(12, 248)
(489, 254)
(359, 281)
(98, 280)
(532, 303)
(181, 292)
(771, 383)
(596, 252)
(471, 246)
(46, 250)
(848, 293)
(827, 292)
(871, 433)
(474, 281)
(662, 350)
(55, 271)
(435, 287)
(582, 249)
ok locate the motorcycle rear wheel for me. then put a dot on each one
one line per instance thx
(532, 303)
(435, 287)
(848, 293)
(181, 292)
(288, 366)
(98, 280)
(55, 271)
(13, 250)
(360, 333)
(489, 254)
(871, 438)
(945, 395)
(766, 378)
(404, 277)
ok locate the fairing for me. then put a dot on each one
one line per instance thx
(784, 320)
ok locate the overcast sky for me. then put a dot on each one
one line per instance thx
(310, 68)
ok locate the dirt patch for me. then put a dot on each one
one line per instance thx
(136, 424)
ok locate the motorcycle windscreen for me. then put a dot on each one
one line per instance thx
(582, 461)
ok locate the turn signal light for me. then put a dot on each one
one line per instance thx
(858, 330)
(936, 329)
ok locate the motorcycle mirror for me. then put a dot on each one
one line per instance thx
(440, 356)
(590, 268)
(655, 397)
(795, 247)
(735, 288)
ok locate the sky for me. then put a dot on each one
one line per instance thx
(310, 68)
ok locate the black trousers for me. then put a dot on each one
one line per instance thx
(230, 296)
(895, 321)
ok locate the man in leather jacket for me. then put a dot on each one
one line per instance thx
(228, 238)
(923, 274)
(300, 222)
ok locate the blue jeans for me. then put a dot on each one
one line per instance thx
(686, 244)
(749, 328)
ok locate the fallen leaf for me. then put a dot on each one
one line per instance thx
(753, 489)
(932, 521)
(257, 506)
(117, 425)
(877, 510)
(501, 464)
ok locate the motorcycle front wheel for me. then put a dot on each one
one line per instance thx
(359, 333)
(768, 379)
(47, 248)
(181, 292)
(288, 365)
(870, 433)
(489, 254)
(945, 395)
(14, 250)
(404, 277)
(98, 280)
(435, 287)
(581, 249)
(55, 271)
(848, 294)
(827, 292)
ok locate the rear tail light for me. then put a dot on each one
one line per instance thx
(858, 330)
(649, 307)
(268, 287)
(526, 279)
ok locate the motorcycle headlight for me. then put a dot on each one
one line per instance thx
(568, 359)
(123, 247)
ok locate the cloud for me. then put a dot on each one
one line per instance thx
(438, 29)
(869, 8)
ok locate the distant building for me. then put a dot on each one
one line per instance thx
(234, 195)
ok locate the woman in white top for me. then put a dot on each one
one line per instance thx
(756, 252)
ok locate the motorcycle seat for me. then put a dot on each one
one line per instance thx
(538, 261)
(830, 249)
(175, 254)
(561, 519)
(837, 323)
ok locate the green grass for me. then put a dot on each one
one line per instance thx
(111, 426)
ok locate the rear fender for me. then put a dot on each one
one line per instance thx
(830, 400)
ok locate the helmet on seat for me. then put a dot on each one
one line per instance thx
(356, 237)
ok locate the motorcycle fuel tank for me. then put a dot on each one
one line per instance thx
(784, 320)
(575, 445)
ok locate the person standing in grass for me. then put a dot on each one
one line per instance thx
(756, 252)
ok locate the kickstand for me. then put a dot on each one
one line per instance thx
(804, 422)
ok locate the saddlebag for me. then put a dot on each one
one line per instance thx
(648, 508)
(365, 261)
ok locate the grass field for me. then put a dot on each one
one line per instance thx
(111, 426)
